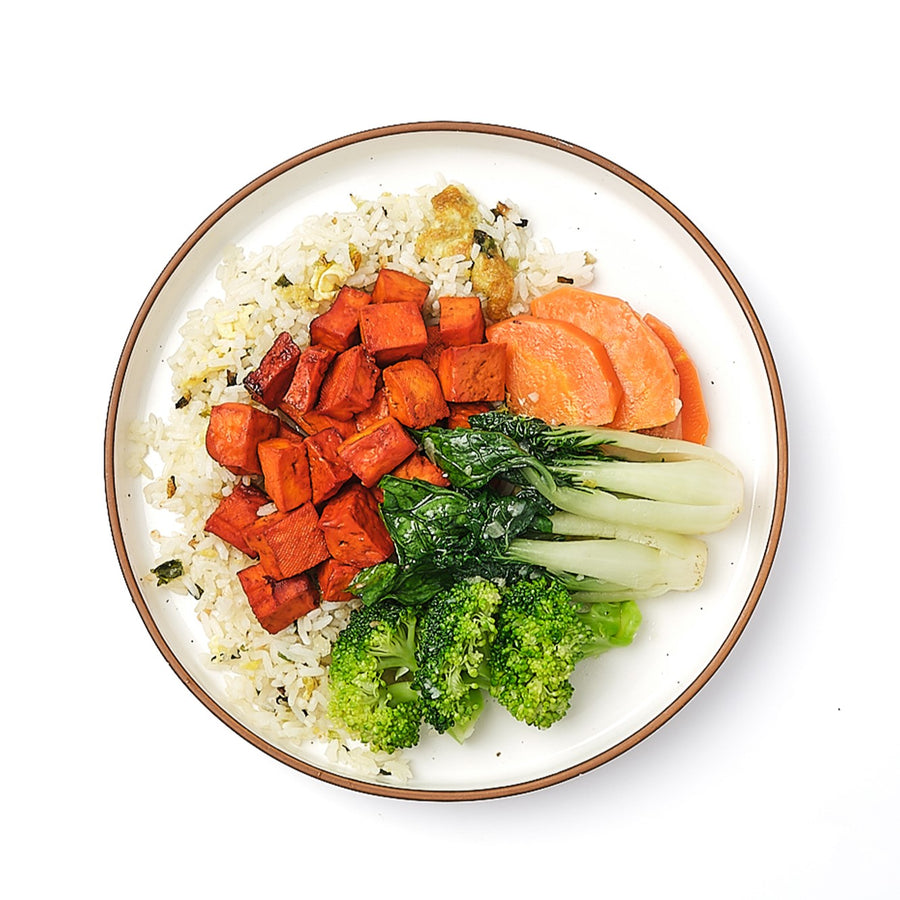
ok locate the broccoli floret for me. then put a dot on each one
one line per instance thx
(540, 639)
(372, 662)
(395, 666)
(541, 636)
(454, 637)
(611, 625)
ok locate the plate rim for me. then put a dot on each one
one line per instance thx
(775, 526)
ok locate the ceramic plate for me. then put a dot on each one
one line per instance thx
(648, 252)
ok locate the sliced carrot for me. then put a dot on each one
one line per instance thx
(640, 359)
(693, 415)
(556, 371)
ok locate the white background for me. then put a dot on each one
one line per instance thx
(771, 125)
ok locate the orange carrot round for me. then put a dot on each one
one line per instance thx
(556, 372)
(642, 364)
(693, 415)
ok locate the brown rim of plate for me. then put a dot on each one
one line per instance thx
(411, 793)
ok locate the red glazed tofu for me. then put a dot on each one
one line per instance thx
(434, 348)
(392, 286)
(354, 531)
(285, 470)
(327, 471)
(349, 384)
(338, 328)
(376, 410)
(393, 331)
(460, 413)
(334, 577)
(278, 603)
(288, 543)
(376, 450)
(474, 373)
(303, 391)
(413, 393)
(268, 382)
(461, 322)
(314, 422)
(235, 514)
(234, 433)
(418, 465)
(289, 428)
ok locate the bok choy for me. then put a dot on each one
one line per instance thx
(615, 476)
(612, 515)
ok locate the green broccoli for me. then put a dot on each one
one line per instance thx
(541, 636)
(611, 625)
(372, 662)
(454, 637)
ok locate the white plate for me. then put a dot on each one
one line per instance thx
(649, 253)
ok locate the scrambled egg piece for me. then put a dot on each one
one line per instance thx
(324, 282)
(327, 279)
(309, 686)
(454, 233)
(295, 294)
(493, 278)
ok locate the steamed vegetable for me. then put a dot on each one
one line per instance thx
(555, 371)
(617, 477)
(638, 356)
(369, 678)
(455, 634)
(440, 533)
(396, 667)
(613, 516)
(693, 417)
(541, 637)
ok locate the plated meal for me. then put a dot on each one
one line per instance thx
(417, 473)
